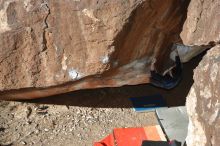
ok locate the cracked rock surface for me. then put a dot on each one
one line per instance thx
(202, 23)
(49, 47)
(203, 102)
(201, 28)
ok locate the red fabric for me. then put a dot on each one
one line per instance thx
(108, 141)
(129, 136)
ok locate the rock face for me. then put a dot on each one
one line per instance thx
(202, 27)
(49, 47)
(203, 102)
(202, 24)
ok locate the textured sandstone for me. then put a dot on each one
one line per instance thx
(203, 102)
(202, 25)
(201, 28)
(49, 47)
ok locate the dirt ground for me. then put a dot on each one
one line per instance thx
(82, 117)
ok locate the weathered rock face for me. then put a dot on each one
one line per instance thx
(202, 27)
(202, 24)
(49, 47)
(203, 102)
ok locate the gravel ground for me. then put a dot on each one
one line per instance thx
(46, 125)
(82, 117)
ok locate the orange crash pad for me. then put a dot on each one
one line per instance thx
(132, 136)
